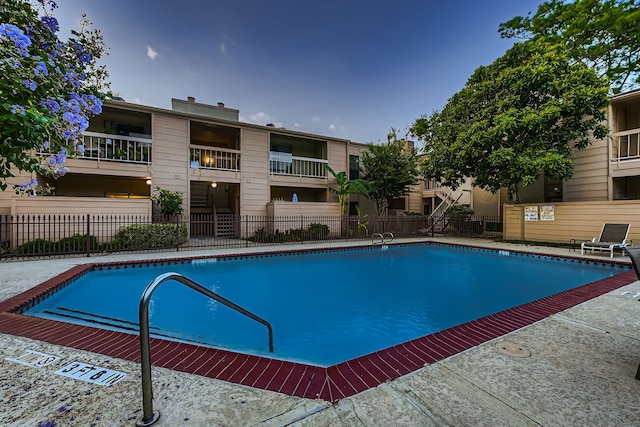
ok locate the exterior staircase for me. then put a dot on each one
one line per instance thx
(209, 222)
(438, 218)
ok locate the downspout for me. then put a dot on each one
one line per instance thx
(609, 153)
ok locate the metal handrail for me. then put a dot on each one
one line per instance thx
(381, 236)
(149, 416)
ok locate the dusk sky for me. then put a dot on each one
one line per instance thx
(348, 69)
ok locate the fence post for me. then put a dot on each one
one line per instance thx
(88, 245)
(178, 233)
(246, 230)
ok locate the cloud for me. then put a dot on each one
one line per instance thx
(315, 119)
(332, 126)
(152, 53)
(260, 118)
(223, 48)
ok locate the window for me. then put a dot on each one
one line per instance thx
(354, 167)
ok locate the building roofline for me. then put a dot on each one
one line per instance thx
(141, 108)
(624, 95)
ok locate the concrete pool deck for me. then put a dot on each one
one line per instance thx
(581, 371)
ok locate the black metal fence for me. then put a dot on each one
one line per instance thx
(65, 235)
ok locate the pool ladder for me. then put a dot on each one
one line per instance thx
(382, 236)
(149, 416)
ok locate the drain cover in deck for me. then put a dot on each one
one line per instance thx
(512, 349)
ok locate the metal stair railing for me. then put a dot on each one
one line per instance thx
(149, 416)
(441, 216)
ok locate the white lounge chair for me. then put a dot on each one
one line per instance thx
(612, 236)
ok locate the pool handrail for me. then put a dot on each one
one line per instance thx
(149, 416)
(381, 236)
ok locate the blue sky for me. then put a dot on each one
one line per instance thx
(348, 69)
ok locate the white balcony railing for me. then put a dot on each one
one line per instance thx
(298, 166)
(626, 145)
(116, 148)
(206, 157)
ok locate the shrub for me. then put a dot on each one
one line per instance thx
(37, 246)
(169, 202)
(146, 236)
(460, 211)
(318, 231)
(315, 231)
(75, 243)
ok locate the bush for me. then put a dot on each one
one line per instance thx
(315, 231)
(146, 236)
(318, 231)
(37, 246)
(169, 202)
(460, 211)
(75, 243)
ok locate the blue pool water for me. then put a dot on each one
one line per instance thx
(325, 307)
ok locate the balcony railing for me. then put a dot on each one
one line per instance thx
(117, 148)
(626, 145)
(205, 157)
(298, 166)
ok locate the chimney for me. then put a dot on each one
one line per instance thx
(191, 99)
(220, 104)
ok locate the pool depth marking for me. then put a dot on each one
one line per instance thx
(331, 383)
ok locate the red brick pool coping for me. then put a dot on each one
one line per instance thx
(296, 379)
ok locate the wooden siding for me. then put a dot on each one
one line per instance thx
(590, 180)
(573, 220)
(309, 212)
(68, 207)
(55, 205)
(170, 155)
(254, 190)
(96, 167)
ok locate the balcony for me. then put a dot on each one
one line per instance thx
(626, 145)
(116, 148)
(214, 158)
(304, 167)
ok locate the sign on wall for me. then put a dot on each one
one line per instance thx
(530, 213)
(547, 213)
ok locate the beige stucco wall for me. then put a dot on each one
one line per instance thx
(573, 220)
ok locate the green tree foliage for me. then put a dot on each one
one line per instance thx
(520, 116)
(389, 170)
(48, 89)
(604, 34)
(344, 187)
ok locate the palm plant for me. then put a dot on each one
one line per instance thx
(345, 187)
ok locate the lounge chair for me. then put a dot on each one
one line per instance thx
(612, 236)
(634, 256)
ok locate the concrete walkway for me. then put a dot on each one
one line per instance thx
(580, 372)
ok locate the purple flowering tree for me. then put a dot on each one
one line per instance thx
(48, 90)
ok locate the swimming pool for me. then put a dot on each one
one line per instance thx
(325, 307)
(330, 383)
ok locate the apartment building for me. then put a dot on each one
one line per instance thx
(219, 164)
(609, 169)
